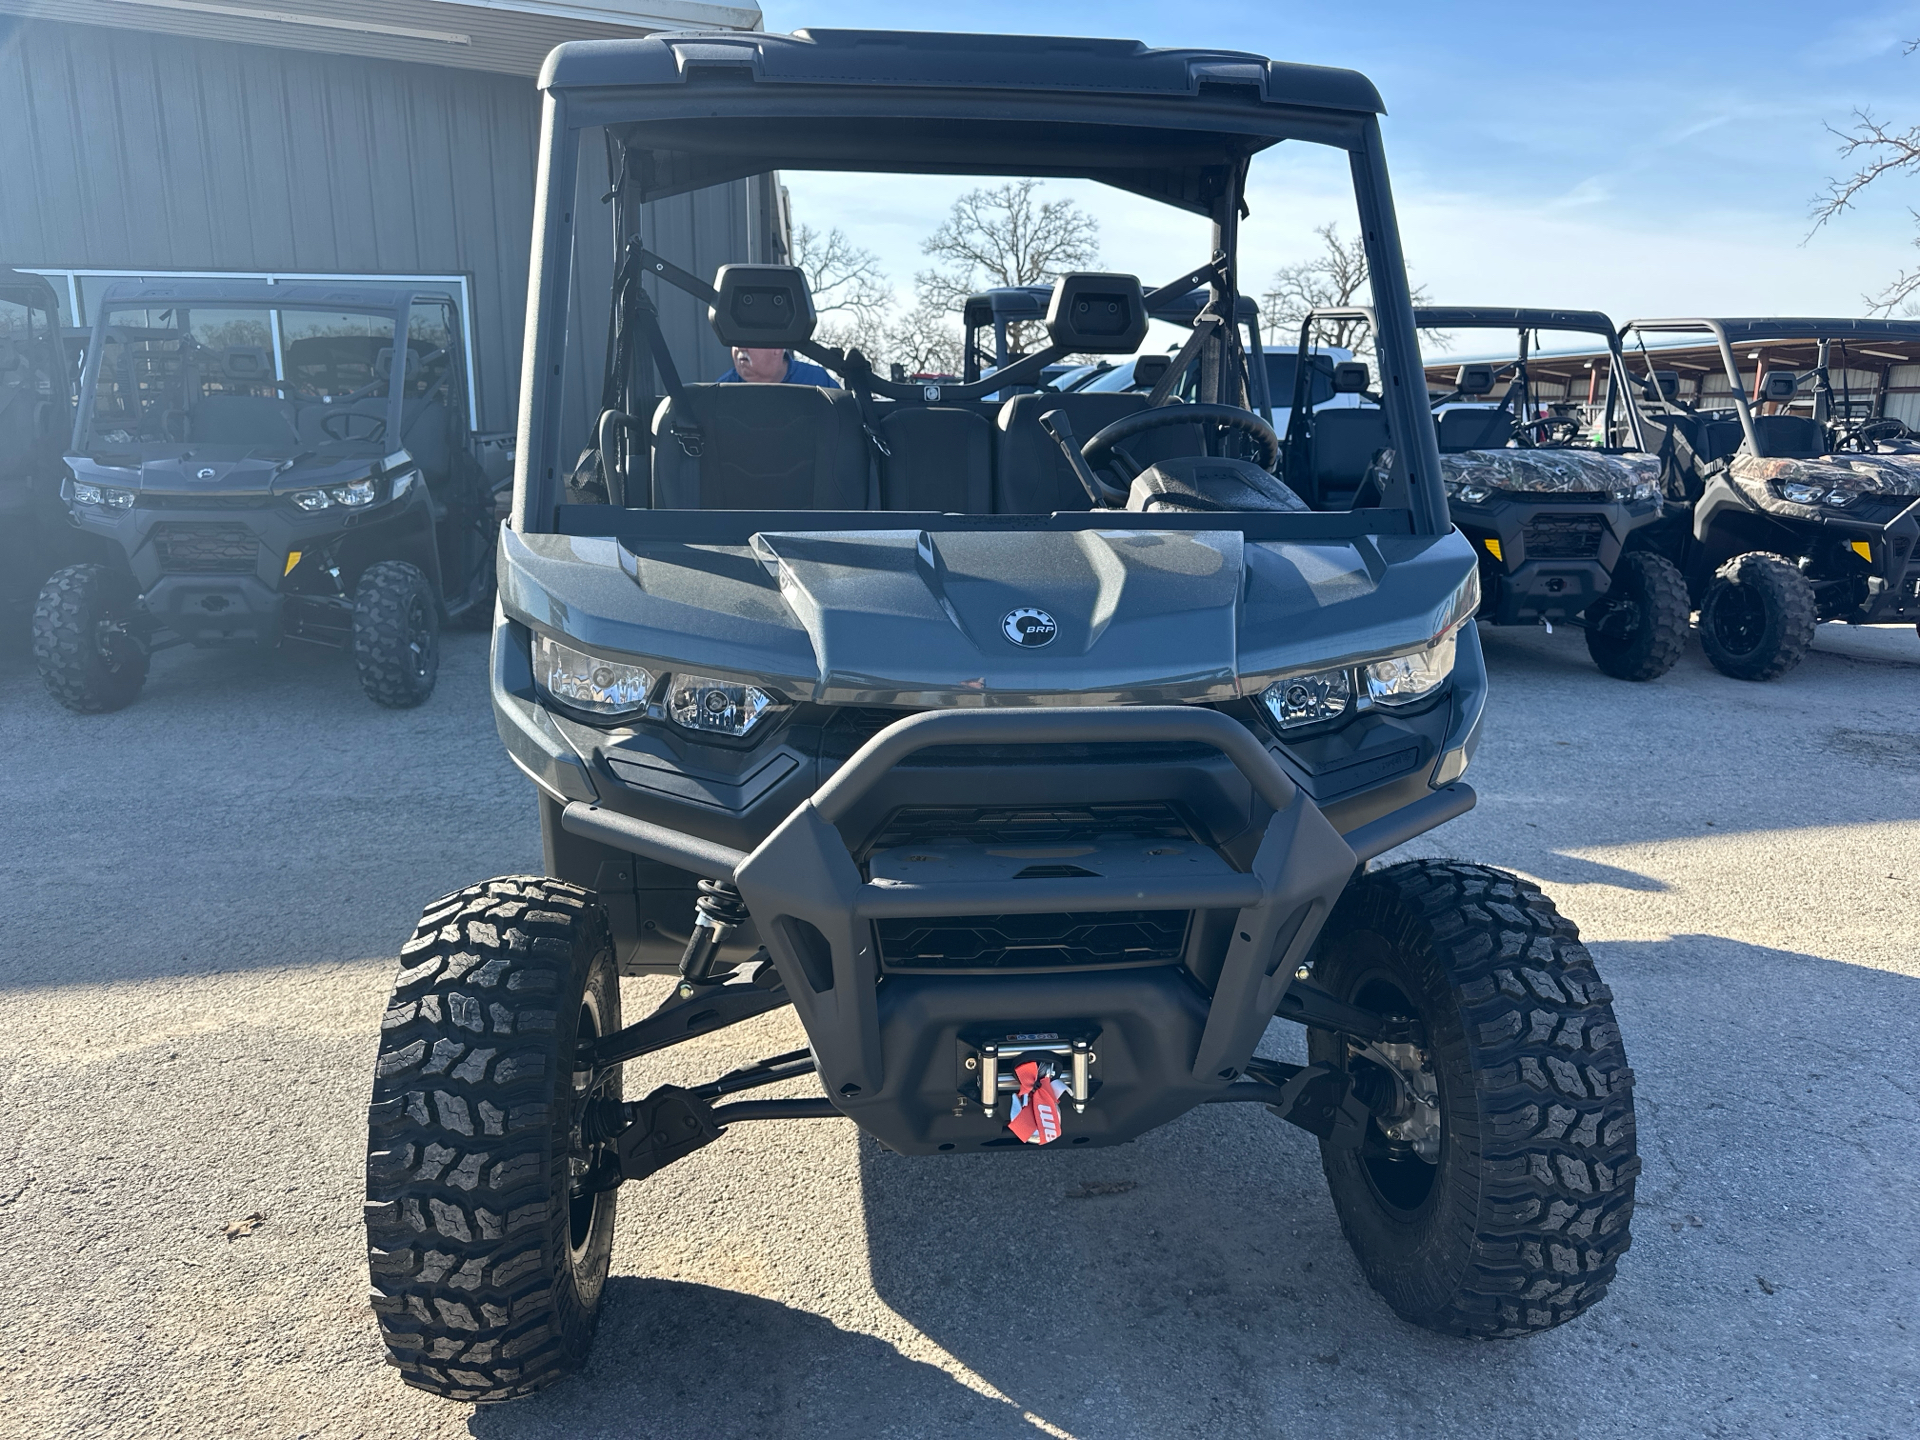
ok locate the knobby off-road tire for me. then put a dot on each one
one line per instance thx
(1757, 617)
(87, 660)
(396, 634)
(486, 1268)
(1638, 629)
(1519, 1224)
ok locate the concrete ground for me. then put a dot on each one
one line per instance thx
(204, 894)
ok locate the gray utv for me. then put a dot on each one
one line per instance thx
(1795, 505)
(258, 465)
(1038, 780)
(36, 416)
(1553, 507)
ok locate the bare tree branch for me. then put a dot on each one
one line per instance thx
(847, 281)
(1006, 236)
(924, 341)
(1886, 152)
(1334, 278)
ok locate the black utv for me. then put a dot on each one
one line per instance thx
(1554, 506)
(1036, 780)
(268, 462)
(1792, 504)
(36, 419)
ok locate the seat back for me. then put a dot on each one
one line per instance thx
(1474, 429)
(941, 460)
(423, 431)
(1344, 444)
(761, 447)
(242, 420)
(1797, 436)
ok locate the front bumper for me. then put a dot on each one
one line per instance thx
(1166, 1036)
(1548, 558)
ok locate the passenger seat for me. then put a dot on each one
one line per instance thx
(1344, 444)
(760, 447)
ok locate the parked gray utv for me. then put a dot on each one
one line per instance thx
(265, 462)
(1037, 778)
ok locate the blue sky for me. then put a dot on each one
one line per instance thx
(1636, 158)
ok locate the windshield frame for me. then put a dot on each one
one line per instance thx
(1211, 128)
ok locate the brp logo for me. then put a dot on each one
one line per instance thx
(1029, 628)
(206, 474)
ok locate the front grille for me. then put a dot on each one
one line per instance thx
(1052, 825)
(1564, 537)
(160, 501)
(186, 548)
(1033, 942)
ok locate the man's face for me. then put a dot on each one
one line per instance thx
(760, 367)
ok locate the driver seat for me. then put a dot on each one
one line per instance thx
(1034, 478)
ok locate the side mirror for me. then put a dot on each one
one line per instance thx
(1778, 386)
(1474, 380)
(1350, 377)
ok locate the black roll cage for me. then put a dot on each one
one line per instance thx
(1727, 333)
(683, 111)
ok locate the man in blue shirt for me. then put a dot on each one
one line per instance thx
(774, 367)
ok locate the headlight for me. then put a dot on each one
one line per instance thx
(355, 495)
(112, 499)
(1801, 494)
(588, 682)
(1639, 490)
(1842, 497)
(1473, 494)
(1405, 679)
(1308, 699)
(700, 702)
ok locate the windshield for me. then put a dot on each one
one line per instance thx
(212, 375)
(824, 364)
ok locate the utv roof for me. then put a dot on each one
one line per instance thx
(1030, 302)
(303, 295)
(695, 109)
(1485, 317)
(21, 283)
(1748, 331)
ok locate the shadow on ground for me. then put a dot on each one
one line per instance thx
(680, 1360)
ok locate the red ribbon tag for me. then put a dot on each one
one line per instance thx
(1036, 1107)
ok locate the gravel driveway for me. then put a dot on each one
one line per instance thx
(204, 894)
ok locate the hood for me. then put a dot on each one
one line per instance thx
(1869, 474)
(989, 615)
(213, 470)
(1552, 471)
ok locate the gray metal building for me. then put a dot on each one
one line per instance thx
(320, 139)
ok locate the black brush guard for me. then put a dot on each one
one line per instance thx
(891, 1050)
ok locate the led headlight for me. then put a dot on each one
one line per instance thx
(1842, 497)
(1407, 679)
(1639, 490)
(104, 495)
(354, 496)
(722, 707)
(1303, 700)
(1801, 494)
(589, 682)
(1473, 494)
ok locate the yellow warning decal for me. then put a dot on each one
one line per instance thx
(293, 559)
(1493, 549)
(1863, 550)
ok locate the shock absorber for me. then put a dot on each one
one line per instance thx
(718, 912)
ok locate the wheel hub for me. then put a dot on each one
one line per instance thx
(1415, 1117)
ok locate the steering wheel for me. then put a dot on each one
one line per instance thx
(1872, 432)
(377, 427)
(1548, 424)
(1104, 448)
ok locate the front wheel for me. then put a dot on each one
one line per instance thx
(1495, 1197)
(396, 634)
(1637, 630)
(488, 1239)
(1757, 617)
(84, 641)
